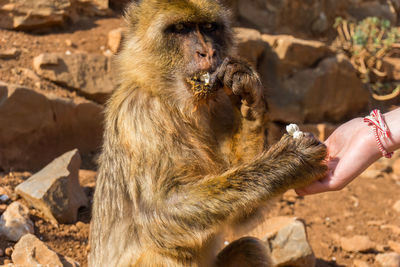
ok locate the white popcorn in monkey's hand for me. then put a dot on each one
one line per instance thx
(294, 131)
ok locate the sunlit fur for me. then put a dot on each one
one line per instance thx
(171, 177)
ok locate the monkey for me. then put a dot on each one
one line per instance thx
(184, 152)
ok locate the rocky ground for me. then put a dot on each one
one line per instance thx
(48, 78)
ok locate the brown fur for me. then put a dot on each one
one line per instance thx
(174, 172)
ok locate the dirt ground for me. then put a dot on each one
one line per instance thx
(363, 208)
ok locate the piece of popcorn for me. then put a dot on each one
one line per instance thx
(294, 131)
(298, 134)
(292, 128)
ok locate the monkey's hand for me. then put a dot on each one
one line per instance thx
(243, 85)
(304, 159)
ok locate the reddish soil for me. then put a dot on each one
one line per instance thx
(360, 209)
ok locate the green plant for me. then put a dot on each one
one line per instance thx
(367, 43)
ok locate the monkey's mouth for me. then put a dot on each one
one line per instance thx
(202, 85)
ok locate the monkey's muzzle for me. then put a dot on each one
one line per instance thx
(202, 85)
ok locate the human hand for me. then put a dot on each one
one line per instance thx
(351, 149)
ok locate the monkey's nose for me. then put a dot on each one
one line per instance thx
(201, 54)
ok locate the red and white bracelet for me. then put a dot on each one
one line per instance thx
(380, 130)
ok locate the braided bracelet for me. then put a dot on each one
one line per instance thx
(380, 130)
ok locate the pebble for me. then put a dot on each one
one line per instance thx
(8, 251)
(357, 243)
(1, 253)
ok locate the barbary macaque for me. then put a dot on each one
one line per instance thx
(185, 151)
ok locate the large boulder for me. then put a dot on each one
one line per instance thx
(55, 190)
(89, 74)
(37, 127)
(330, 92)
(42, 14)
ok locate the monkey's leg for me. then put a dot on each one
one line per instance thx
(246, 251)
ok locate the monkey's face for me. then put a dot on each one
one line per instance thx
(199, 48)
(184, 41)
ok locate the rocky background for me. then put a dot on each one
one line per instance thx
(56, 74)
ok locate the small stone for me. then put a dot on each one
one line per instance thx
(15, 222)
(4, 198)
(69, 43)
(55, 190)
(360, 263)
(289, 246)
(357, 244)
(30, 249)
(9, 53)
(391, 259)
(115, 39)
(396, 206)
(1, 253)
(8, 251)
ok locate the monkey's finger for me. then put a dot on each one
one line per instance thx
(220, 72)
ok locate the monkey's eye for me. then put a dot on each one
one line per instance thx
(181, 28)
(209, 27)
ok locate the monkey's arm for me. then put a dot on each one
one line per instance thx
(194, 208)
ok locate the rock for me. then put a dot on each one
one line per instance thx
(115, 39)
(27, 15)
(289, 246)
(296, 54)
(331, 92)
(391, 259)
(9, 53)
(357, 244)
(395, 246)
(15, 222)
(30, 251)
(44, 14)
(41, 126)
(55, 190)
(360, 263)
(396, 206)
(8, 251)
(90, 74)
(249, 44)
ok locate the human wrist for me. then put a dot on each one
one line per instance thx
(392, 120)
(368, 142)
